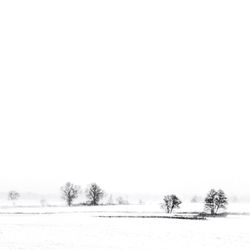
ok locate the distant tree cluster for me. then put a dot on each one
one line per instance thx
(71, 192)
(196, 199)
(93, 193)
(214, 201)
(121, 201)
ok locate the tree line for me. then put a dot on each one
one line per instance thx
(214, 201)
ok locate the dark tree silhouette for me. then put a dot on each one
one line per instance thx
(13, 196)
(215, 200)
(70, 192)
(94, 193)
(210, 201)
(170, 203)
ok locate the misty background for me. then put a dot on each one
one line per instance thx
(141, 97)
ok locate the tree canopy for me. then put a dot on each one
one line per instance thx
(215, 200)
(171, 202)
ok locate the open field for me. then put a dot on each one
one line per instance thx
(76, 228)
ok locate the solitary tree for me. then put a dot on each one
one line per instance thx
(215, 200)
(171, 202)
(94, 193)
(70, 192)
(13, 196)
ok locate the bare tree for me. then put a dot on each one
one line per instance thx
(70, 192)
(171, 202)
(13, 196)
(94, 193)
(215, 200)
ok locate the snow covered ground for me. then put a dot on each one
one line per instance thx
(54, 228)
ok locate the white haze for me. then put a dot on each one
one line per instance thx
(138, 96)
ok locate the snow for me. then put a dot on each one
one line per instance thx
(54, 228)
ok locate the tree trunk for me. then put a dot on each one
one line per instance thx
(216, 210)
(212, 211)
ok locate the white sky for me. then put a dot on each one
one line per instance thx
(138, 96)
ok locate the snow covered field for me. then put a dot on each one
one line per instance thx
(76, 228)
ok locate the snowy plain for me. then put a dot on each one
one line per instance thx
(54, 228)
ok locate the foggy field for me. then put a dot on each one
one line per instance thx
(74, 228)
(123, 124)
